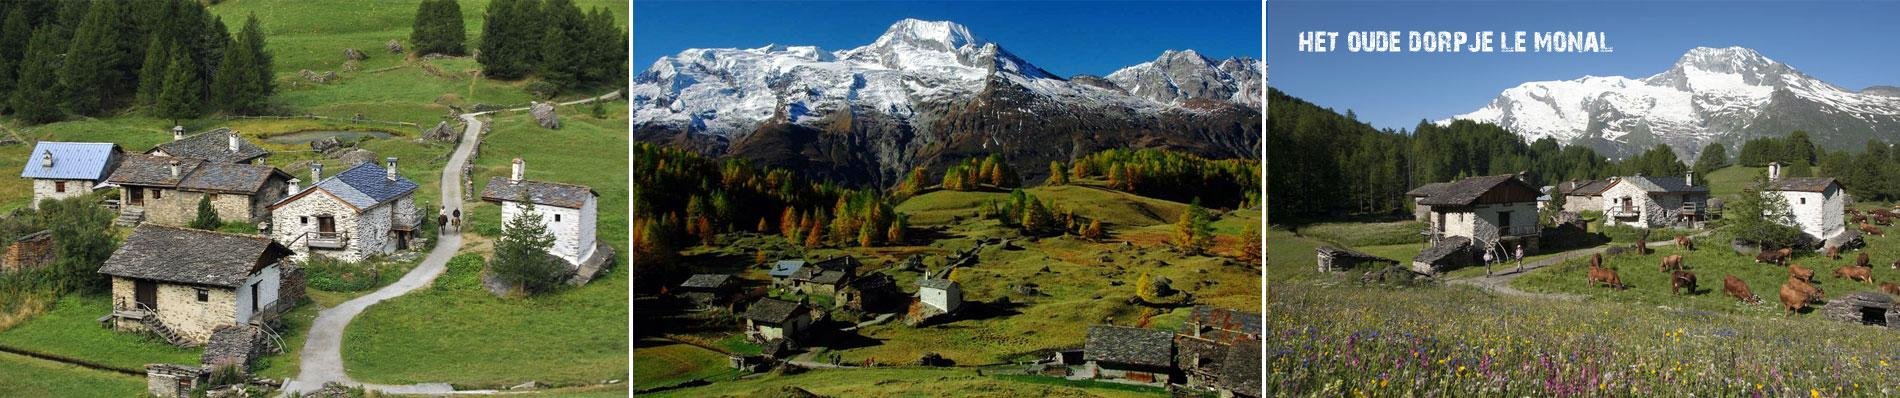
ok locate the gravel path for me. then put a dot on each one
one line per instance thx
(322, 360)
(1500, 283)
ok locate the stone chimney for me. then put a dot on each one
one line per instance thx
(178, 133)
(391, 170)
(520, 168)
(316, 172)
(1689, 178)
(234, 143)
(46, 159)
(1774, 171)
(174, 166)
(294, 188)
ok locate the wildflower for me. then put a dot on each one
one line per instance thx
(1814, 393)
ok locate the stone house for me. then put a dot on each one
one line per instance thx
(1219, 349)
(783, 270)
(27, 252)
(361, 212)
(221, 145)
(1816, 202)
(184, 283)
(166, 190)
(568, 211)
(1652, 202)
(940, 295)
(872, 293)
(1580, 196)
(1476, 214)
(1136, 355)
(824, 278)
(62, 170)
(772, 319)
(706, 290)
(1421, 212)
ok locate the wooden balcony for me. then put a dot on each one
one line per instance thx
(328, 240)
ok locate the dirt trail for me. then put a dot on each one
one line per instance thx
(1500, 283)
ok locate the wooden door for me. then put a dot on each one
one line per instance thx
(145, 293)
(138, 195)
(255, 297)
(326, 224)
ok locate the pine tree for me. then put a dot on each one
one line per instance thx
(86, 73)
(15, 32)
(158, 57)
(511, 38)
(207, 218)
(180, 98)
(521, 254)
(563, 55)
(438, 28)
(243, 81)
(36, 98)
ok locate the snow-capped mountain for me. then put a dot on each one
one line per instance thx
(1724, 95)
(1178, 76)
(929, 92)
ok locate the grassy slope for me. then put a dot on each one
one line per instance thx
(71, 330)
(906, 382)
(577, 336)
(664, 363)
(32, 377)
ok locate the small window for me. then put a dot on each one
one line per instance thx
(158, 194)
(304, 219)
(557, 218)
(214, 197)
(203, 295)
(1804, 201)
(59, 186)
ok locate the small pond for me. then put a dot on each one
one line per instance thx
(304, 137)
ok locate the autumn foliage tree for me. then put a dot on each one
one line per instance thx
(1056, 174)
(1194, 231)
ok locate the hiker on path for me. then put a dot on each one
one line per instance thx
(1487, 262)
(1520, 257)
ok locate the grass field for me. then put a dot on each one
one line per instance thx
(71, 329)
(33, 377)
(906, 382)
(664, 363)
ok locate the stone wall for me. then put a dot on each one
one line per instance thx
(573, 229)
(31, 251)
(180, 310)
(171, 381)
(177, 208)
(49, 189)
(1817, 213)
(367, 233)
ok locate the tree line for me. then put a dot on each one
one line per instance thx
(1347, 167)
(169, 58)
(554, 40)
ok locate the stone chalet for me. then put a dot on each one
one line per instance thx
(773, 319)
(1817, 203)
(939, 295)
(706, 290)
(166, 190)
(782, 272)
(361, 212)
(1475, 214)
(1130, 354)
(184, 283)
(824, 278)
(1580, 196)
(1650, 202)
(62, 170)
(568, 211)
(220, 145)
(1219, 349)
(872, 293)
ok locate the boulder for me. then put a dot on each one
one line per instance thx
(352, 65)
(353, 55)
(544, 115)
(442, 132)
(394, 47)
(358, 156)
(316, 77)
(326, 145)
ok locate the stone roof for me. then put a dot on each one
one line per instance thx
(1240, 371)
(1801, 184)
(1226, 319)
(540, 192)
(936, 283)
(91, 161)
(1425, 190)
(874, 282)
(1126, 345)
(773, 311)
(362, 186)
(193, 174)
(1446, 247)
(707, 281)
(190, 256)
(1341, 252)
(828, 277)
(785, 268)
(1662, 184)
(1465, 191)
(214, 145)
(845, 263)
(1589, 188)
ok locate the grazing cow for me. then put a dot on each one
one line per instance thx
(1793, 299)
(1871, 230)
(1739, 290)
(1857, 219)
(1862, 274)
(1680, 280)
(1642, 248)
(1671, 262)
(1814, 293)
(1606, 276)
(1890, 288)
(1861, 260)
(1883, 219)
(1833, 252)
(1799, 272)
(1596, 260)
(1683, 242)
(1777, 257)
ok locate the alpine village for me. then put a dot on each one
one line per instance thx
(847, 243)
(268, 198)
(1462, 257)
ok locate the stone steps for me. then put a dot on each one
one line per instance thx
(130, 217)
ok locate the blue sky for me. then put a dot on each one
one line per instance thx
(1852, 45)
(1065, 38)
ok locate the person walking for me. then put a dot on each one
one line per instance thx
(1520, 258)
(1488, 258)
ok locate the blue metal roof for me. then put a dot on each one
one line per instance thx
(71, 160)
(785, 268)
(366, 186)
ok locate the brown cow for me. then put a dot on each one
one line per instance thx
(1890, 288)
(1871, 230)
(1680, 280)
(1861, 260)
(1814, 293)
(1793, 299)
(1858, 219)
(1778, 257)
(1799, 272)
(1683, 241)
(1833, 252)
(1606, 276)
(1671, 262)
(1642, 248)
(1739, 290)
(1862, 274)
(1596, 260)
